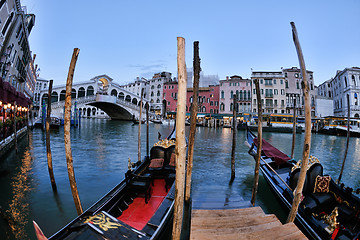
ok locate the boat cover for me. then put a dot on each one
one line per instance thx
(275, 154)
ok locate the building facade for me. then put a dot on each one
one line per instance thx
(272, 92)
(346, 82)
(293, 90)
(235, 85)
(16, 25)
(208, 99)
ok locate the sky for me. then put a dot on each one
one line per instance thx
(125, 39)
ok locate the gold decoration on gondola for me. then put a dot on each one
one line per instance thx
(312, 160)
(102, 221)
(165, 143)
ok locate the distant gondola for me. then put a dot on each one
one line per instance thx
(136, 121)
(139, 207)
(327, 210)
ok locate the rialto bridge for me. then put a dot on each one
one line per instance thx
(100, 92)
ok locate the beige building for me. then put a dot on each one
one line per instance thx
(272, 91)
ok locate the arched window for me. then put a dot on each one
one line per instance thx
(222, 107)
(231, 94)
(157, 100)
(81, 92)
(62, 95)
(222, 94)
(152, 94)
(134, 101)
(128, 98)
(158, 93)
(345, 81)
(93, 111)
(113, 92)
(121, 95)
(204, 109)
(353, 78)
(90, 91)
(44, 98)
(159, 86)
(73, 93)
(54, 97)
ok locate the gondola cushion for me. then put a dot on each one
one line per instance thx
(172, 160)
(322, 184)
(156, 163)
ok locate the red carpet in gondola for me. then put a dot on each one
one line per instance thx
(139, 213)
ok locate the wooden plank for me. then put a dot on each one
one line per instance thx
(246, 223)
(227, 212)
(232, 222)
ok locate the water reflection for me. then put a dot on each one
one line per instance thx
(101, 149)
(18, 209)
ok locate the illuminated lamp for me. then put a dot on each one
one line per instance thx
(5, 106)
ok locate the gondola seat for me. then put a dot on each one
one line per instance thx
(157, 155)
(170, 160)
(316, 201)
(139, 184)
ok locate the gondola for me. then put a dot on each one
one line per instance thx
(139, 207)
(136, 121)
(327, 210)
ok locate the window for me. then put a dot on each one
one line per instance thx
(276, 92)
(345, 81)
(268, 82)
(282, 91)
(296, 75)
(222, 107)
(262, 91)
(274, 81)
(286, 84)
(281, 81)
(231, 94)
(297, 85)
(261, 81)
(222, 94)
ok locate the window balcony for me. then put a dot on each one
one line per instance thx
(269, 95)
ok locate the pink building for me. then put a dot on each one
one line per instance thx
(170, 96)
(208, 98)
(208, 101)
(235, 85)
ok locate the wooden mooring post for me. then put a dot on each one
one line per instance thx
(139, 133)
(259, 140)
(180, 148)
(234, 130)
(347, 139)
(294, 130)
(48, 149)
(307, 139)
(67, 119)
(194, 110)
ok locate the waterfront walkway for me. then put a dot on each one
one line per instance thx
(233, 218)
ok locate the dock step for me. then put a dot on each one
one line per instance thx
(245, 223)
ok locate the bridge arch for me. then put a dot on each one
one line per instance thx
(113, 92)
(128, 98)
(90, 91)
(62, 95)
(121, 95)
(103, 84)
(54, 97)
(134, 101)
(81, 92)
(73, 93)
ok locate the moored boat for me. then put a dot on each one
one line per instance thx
(338, 126)
(327, 210)
(139, 207)
(54, 123)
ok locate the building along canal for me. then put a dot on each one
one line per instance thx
(101, 149)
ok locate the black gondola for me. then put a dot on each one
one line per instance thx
(139, 207)
(327, 210)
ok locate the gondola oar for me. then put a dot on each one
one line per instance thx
(252, 149)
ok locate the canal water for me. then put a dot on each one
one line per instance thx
(101, 149)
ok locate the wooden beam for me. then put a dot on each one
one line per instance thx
(180, 148)
(67, 121)
(307, 138)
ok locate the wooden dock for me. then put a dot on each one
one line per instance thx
(233, 218)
